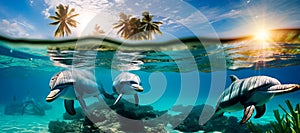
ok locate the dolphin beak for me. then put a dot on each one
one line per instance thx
(53, 95)
(138, 88)
(283, 89)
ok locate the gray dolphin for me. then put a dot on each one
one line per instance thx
(62, 86)
(251, 93)
(127, 84)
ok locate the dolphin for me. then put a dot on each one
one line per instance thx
(63, 84)
(127, 84)
(251, 93)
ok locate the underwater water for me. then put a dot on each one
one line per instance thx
(176, 75)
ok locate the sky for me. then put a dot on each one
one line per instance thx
(181, 18)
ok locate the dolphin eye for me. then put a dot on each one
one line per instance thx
(133, 82)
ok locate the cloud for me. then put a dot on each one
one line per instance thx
(231, 14)
(31, 2)
(106, 13)
(46, 13)
(120, 1)
(176, 15)
(25, 24)
(194, 18)
(15, 28)
(18, 28)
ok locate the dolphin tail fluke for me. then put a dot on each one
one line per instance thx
(136, 99)
(260, 111)
(118, 99)
(69, 106)
(247, 113)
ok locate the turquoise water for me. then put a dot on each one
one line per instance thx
(178, 72)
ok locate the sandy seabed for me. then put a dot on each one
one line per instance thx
(29, 123)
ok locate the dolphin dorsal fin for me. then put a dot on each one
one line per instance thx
(233, 78)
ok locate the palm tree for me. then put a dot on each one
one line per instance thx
(148, 26)
(134, 29)
(64, 18)
(124, 25)
(98, 31)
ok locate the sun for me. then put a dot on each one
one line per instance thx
(262, 35)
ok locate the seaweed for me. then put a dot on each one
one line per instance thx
(282, 124)
(292, 117)
(254, 127)
(286, 123)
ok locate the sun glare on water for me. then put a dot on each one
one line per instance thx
(262, 35)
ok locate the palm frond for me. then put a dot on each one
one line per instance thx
(72, 23)
(53, 17)
(58, 14)
(54, 23)
(118, 25)
(71, 11)
(64, 18)
(67, 30)
(158, 23)
(74, 15)
(59, 32)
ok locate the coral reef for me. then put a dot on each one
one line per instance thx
(108, 122)
(28, 106)
(222, 124)
(126, 117)
(287, 123)
(14, 108)
(63, 127)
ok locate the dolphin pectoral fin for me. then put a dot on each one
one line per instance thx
(233, 78)
(136, 99)
(248, 111)
(260, 111)
(69, 106)
(118, 99)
